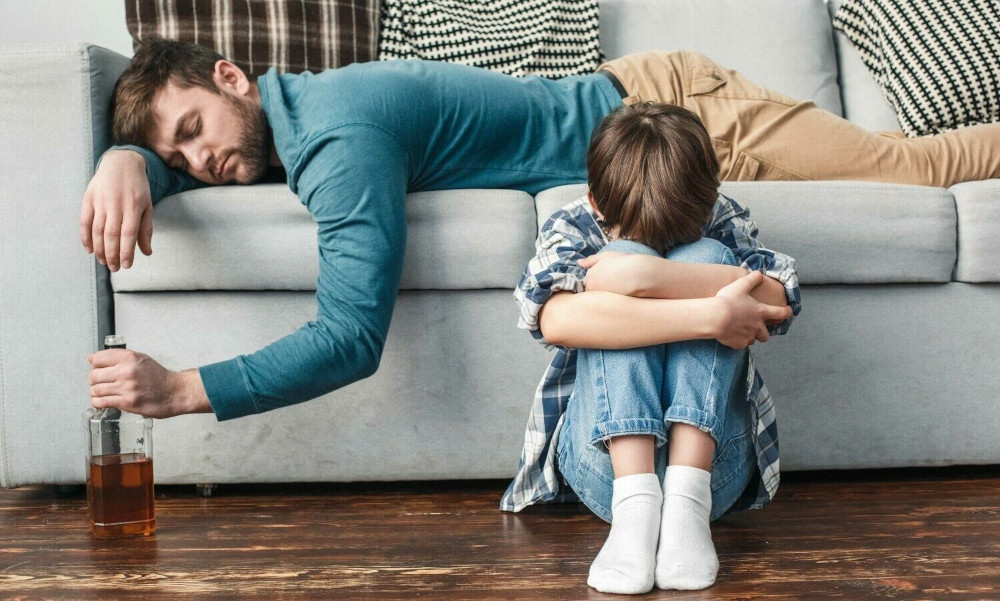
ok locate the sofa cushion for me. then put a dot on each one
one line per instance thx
(860, 95)
(262, 238)
(840, 232)
(797, 59)
(978, 206)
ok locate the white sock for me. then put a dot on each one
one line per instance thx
(626, 562)
(686, 558)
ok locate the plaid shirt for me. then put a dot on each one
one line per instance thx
(572, 233)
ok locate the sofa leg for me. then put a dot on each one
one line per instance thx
(204, 490)
(69, 490)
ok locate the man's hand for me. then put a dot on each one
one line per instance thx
(617, 272)
(134, 382)
(117, 210)
(741, 318)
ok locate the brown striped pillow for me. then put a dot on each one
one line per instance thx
(292, 35)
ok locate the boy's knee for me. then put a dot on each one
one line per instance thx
(629, 247)
(705, 250)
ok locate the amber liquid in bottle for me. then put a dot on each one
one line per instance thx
(120, 495)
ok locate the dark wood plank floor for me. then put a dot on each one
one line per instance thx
(900, 534)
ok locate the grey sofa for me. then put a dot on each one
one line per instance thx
(892, 361)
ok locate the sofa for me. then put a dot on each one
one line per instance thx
(891, 362)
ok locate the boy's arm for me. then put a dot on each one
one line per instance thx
(731, 224)
(647, 276)
(603, 320)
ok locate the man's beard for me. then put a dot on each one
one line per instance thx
(255, 139)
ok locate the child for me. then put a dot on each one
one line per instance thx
(651, 412)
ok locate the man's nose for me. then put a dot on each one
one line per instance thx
(199, 158)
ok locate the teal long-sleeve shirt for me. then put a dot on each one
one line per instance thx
(353, 142)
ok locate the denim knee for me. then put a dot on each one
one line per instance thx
(704, 250)
(623, 389)
(629, 247)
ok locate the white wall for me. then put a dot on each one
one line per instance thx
(100, 22)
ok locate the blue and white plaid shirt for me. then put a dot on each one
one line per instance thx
(573, 233)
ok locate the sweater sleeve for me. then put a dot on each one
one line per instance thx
(163, 181)
(354, 185)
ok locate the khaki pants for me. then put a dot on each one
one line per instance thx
(762, 135)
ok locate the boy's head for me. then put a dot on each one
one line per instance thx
(653, 174)
(196, 110)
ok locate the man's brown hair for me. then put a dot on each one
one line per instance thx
(156, 62)
(653, 174)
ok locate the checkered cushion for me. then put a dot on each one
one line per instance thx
(937, 61)
(292, 35)
(550, 38)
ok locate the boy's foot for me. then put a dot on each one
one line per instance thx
(686, 558)
(626, 562)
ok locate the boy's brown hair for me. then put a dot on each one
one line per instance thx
(156, 62)
(654, 174)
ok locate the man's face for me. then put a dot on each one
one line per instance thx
(218, 138)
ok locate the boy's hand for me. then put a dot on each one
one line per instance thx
(134, 382)
(617, 272)
(741, 319)
(117, 210)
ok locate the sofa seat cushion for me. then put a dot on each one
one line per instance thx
(978, 206)
(840, 232)
(783, 45)
(261, 237)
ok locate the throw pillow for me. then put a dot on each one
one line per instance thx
(937, 61)
(550, 38)
(292, 35)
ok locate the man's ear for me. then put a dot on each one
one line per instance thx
(229, 77)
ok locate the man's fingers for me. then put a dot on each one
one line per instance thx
(100, 375)
(130, 231)
(104, 389)
(100, 402)
(112, 236)
(146, 231)
(86, 223)
(763, 335)
(107, 357)
(588, 262)
(98, 236)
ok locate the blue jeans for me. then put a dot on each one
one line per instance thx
(642, 391)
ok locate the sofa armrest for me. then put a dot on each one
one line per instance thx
(978, 206)
(55, 304)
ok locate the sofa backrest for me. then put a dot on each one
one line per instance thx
(860, 95)
(785, 45)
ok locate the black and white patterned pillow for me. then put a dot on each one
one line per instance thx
(937, 61)
(550, 38)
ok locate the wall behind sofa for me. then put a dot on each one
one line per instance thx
(100, 22)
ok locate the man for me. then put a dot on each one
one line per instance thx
(353, 141)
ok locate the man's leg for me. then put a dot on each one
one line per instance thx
(763, 135)
(706, 409)
(613, 425)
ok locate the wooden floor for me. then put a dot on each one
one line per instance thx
(902, 534)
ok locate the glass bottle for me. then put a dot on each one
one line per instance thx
(119, 469)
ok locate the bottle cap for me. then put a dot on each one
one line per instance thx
(114, 340)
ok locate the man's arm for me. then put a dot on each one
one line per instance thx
(117, 208)
(354, 185)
